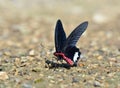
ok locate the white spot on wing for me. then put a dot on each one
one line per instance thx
(75, 56)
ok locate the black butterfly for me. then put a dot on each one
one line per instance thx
(66, 47)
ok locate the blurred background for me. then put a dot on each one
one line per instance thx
(37, 18)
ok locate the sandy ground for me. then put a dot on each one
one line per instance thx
(27, 44)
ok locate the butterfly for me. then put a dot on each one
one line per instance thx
(66, 47)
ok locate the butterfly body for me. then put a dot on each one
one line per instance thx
(66, 47)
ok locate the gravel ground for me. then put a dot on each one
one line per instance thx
(27, 46)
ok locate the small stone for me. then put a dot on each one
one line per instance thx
(52, 81)
(74, 80)
(3, 76)
(111, 74)
(32, 53)
(38, 80)
(111, 63)
(100, 57)
(41, 75)
(26, 85)
(7, 53)
(97, 84)
(81, 64)
(17, 61)
(30, 58)
(112, 59)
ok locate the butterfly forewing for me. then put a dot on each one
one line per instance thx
(75, 35)
(60, 36)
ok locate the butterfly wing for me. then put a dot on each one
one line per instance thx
(70, 50)
(75, 35)
(60, 36)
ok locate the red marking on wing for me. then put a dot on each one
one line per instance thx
(68, 60)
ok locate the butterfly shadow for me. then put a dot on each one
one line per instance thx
(53, 65)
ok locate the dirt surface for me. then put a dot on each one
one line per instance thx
(27, 44)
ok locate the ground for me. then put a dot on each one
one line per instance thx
(27, 44)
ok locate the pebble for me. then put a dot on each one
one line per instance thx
(7, 53)
(111, 74)
(24, 59)
(100, 57)
(38, 80)
(3, 76)
(112, 59)
(26, 85)
(97, 84)
(32, 53)
(81, 64)
(17, 61)
(75, 80)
